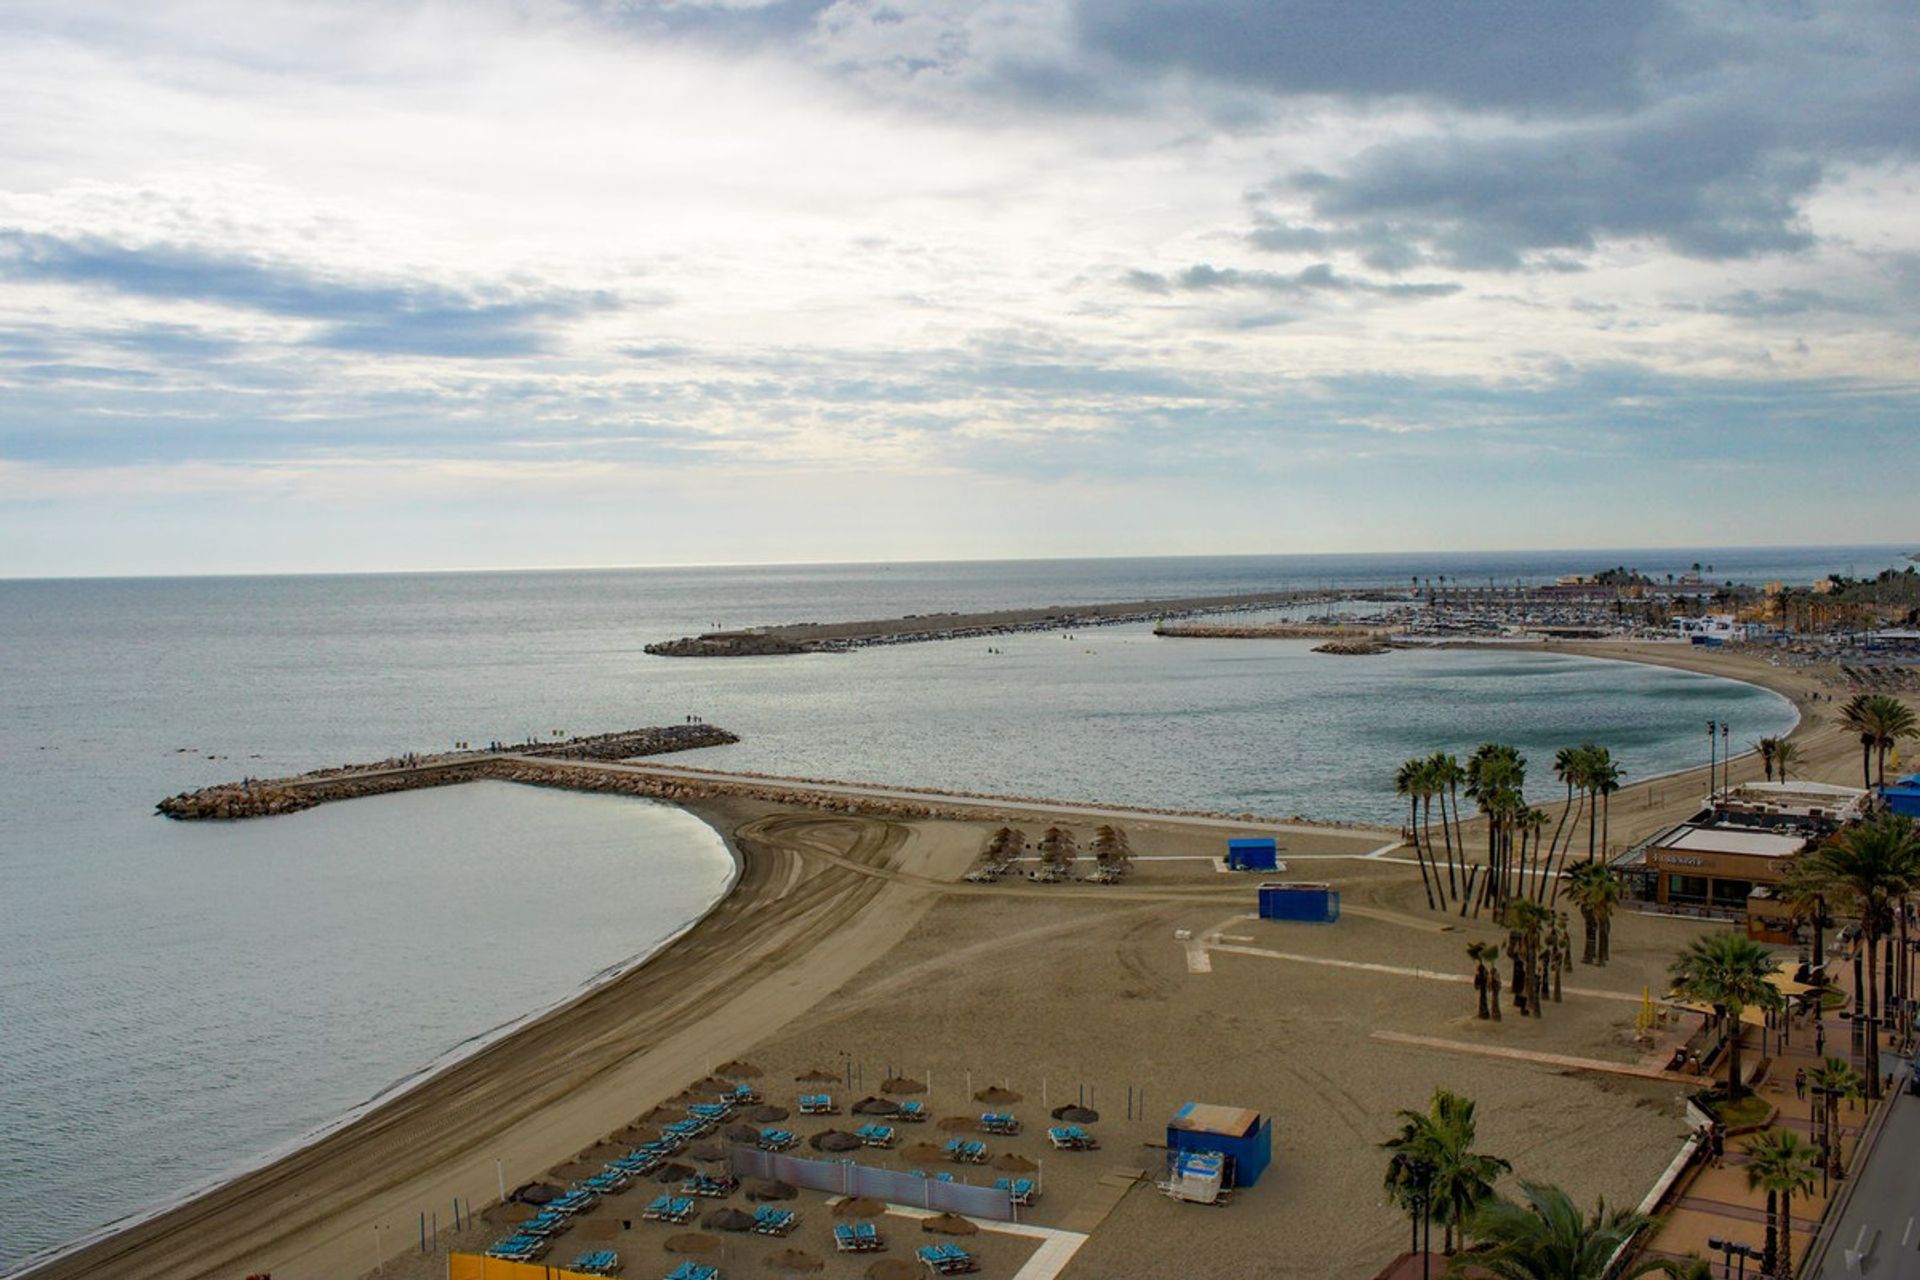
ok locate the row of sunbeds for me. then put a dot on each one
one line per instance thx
(857, 1237)
(532, 1238)
(1071, 1137)
(946, 1259)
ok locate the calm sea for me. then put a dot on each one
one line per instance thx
(176, 1000)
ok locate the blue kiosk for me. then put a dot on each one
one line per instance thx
(1299, 900)
(1253, 853)
(1241, 1136)
(1903, 796)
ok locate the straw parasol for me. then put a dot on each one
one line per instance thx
(815, 1076)
(994, 1095)
(673, 1171)
(694, 1242)
(949, 1224)
(1076, 1115)
(660, 1115)
(771, 1189)
(745, 1133)
(902, 1084)
(728, 1220)
(514, 1215)
(574, 1172)
(956, 1124)
(1010, 1162)
(712, 1084)
(792, 1260)
(924, 1153)
(638, 1133)
(707, 1152)
(859, 1207)
(739, 1070)
(537, 1193)
(876, 1107)
(835, 1140)
(893, 1269)
(768, 1114)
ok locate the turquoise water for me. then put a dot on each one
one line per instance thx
(178, 999)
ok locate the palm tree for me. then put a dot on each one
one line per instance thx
(1782, 1163)
(1436, 1146)
(1606, 781)
(1767, 747)
(1408, 781)
(1729, 972)
(1545, 1237)
(1447, 777)
(1890, 720)
(1568, 767)
(1870, 868)
(1596, 891)
(1496, 777)
(1528, 922)
(1834, 1080)
(1803, 893)
(1786, 753)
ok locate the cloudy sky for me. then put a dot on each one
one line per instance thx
(396, 285)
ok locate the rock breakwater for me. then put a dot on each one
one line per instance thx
(262, 798)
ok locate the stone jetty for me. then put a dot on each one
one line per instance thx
(1273, 631)
(260, 798)
(839, 637)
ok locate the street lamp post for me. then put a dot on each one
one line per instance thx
(1731, 1249)
(1713, 746)
(1821, 1094)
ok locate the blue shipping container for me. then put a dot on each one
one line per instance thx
(1242, 1135)
(1307, 903)
(1253, 854)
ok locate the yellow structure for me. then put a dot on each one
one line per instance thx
(473, 1266)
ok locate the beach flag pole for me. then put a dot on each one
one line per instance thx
(500, 1174)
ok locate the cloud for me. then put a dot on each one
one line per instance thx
(1319, 278)
(404, 318)
(1518, 56)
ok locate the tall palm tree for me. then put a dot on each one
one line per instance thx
(1596, 891)
(1544, 1236)
(1408, 780)
(1890, 720)
(1835, 1080)
(1567, 767)
(1447, 777)
(1607, 774)
(1496, 778)
(1869, 870)
(1728, 971)
(1803, 892)
(1781, 1162)
(1528, 922)
(1477, 952)
(1767, 747)
(1439, 1146)
(1786, 754)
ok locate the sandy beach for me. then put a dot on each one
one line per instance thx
(850, 940)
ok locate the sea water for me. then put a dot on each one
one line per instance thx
(178, 999)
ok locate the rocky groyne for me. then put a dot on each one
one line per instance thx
(1353, 648)
(1273, 631)
(265, 797)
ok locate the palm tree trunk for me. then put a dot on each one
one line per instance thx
(1873, 1015)
(1565, 853)
(1866, 764)
(1413, 825)
(1733, 1056)
(1565, 811)
(1591, 953)
(1606, 816)
(1770, 1254)
(1606, 939)
(1446, 833)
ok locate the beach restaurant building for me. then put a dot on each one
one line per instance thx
(1728, 858)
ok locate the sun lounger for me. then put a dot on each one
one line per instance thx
(1072, 1138)
(875, 1135)
(856, 1237)
(545, 1224)
(946, 1259)
(769, 1221)
(817, 1104)
(967, 1152)
(607, 1181)
(776, 1139)
(912, 1112)
(710, 1110)
(600, 1262)
(741, 1095)
(668, 1209)
(693, 1271)
(712, 1186)
(519, 1248)
(1021, 1191)
(999, 1122)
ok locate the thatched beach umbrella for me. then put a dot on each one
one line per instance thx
(673, 1171)
(768, 1114)
(836, 1141)
(876, 1107)
(694, 1242)
(859, 1207)
(956, 1124)
(745, 1134)
(924, 1153)
(1011, 1162)
(537, 1193)
(710, 1085)
(815, 1076)
(574, 1171)
(893, 1269)
(1076, 1115)
(727, 1220)
(995, 1096)
(949, 1224)
(771, 1189)
(635, 1134)
(738, 1070)
(793, 1261)
(902, 1084)
(706, 1151)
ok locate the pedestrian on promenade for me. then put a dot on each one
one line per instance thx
(1800, 1084)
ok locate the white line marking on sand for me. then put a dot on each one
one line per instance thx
(1056, 1249)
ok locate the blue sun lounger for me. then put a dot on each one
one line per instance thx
(1020, 1191)
(817, 1104)
(520, 1248)
(693, 1271)
(912, 1112)
(856, 1237)
(769, 1221)
(713, 1186)
(776, 1139)
(875, 1135)
(741, 1095)
(715, 1111)
(946, 1259)
(999, 1122)
(967, 1152)
(607, 1181)
(1072, 1138)
(600, 1262)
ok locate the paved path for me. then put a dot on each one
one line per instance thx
(1562, 1060)
(866, 791)
(1878, 1235)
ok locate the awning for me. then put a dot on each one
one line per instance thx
(1752, 1016)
